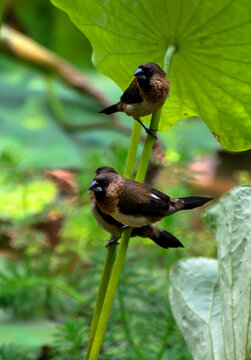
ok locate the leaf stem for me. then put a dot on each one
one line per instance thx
(120, 258)
(129, 167)
(110, 293)
(1, 12)
(101, 295)
(132, 151)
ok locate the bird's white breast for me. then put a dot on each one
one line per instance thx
(111, 228)
(130, 220)
(141, 109)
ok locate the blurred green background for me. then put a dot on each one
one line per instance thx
(51, 249)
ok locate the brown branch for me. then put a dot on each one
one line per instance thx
(28, 51)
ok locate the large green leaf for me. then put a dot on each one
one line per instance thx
(229, 221)
(194, 297)
(211, 300)
(210, 73)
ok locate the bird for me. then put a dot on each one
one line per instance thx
(134, 204)
(146, 93)
(161, 237)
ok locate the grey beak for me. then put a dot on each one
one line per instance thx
(93, 185)
(140, 74)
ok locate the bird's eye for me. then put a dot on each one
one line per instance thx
(104, 182)
(98, 189)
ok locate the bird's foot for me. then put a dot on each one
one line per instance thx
(112, 242)
(152, 133)
(124, 227)
(147, 130)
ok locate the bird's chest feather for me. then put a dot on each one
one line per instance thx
(153, 97)
(129, 220)
(157, 92)
(109, 227)
(108, 201)
(141, 109)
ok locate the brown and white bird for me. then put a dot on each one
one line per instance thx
(146, 94)
(161, 237)
(134, 204)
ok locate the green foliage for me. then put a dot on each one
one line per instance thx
(70, 338)
(37, 134)
(53, 29)
(211, 299)
(209, 71)
(10, 352)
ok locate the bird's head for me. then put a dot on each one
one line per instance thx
(105, 170)
(104, 176)
(148, 70)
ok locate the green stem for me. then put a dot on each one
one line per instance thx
(110, 293)
(132, 151)
(1, 13)
(120, 258)
(101, 295)
(131, 157)
(143, 164)
(168, 58)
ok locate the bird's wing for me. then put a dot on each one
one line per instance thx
(108, 219)
(140, 200)
(132, 94)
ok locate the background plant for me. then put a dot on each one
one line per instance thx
(33, 106)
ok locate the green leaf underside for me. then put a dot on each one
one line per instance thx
(194, 297)
(210, 74)
(211, 300)
(229, 221)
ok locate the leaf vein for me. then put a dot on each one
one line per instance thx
(222, 10)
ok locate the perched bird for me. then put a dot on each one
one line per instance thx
(146, 93)
(134, 204)
(161, 237)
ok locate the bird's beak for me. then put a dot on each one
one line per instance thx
(95, 185)
(140, 74)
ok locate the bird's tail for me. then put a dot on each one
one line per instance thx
(192, 202)
(166, 240)
(109, 110)
(161, 237)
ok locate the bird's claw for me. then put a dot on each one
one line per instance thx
(112, 242)
(152, 133)
(124, 227)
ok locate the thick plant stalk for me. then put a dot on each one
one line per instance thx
(1, 13)
(110, 293)
(101, 294)
(128, 172)
(132, 151)
(120, 258)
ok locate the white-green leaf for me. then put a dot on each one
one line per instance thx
(211, 299)
(230, 222)
(194, 297)
(211, 69)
